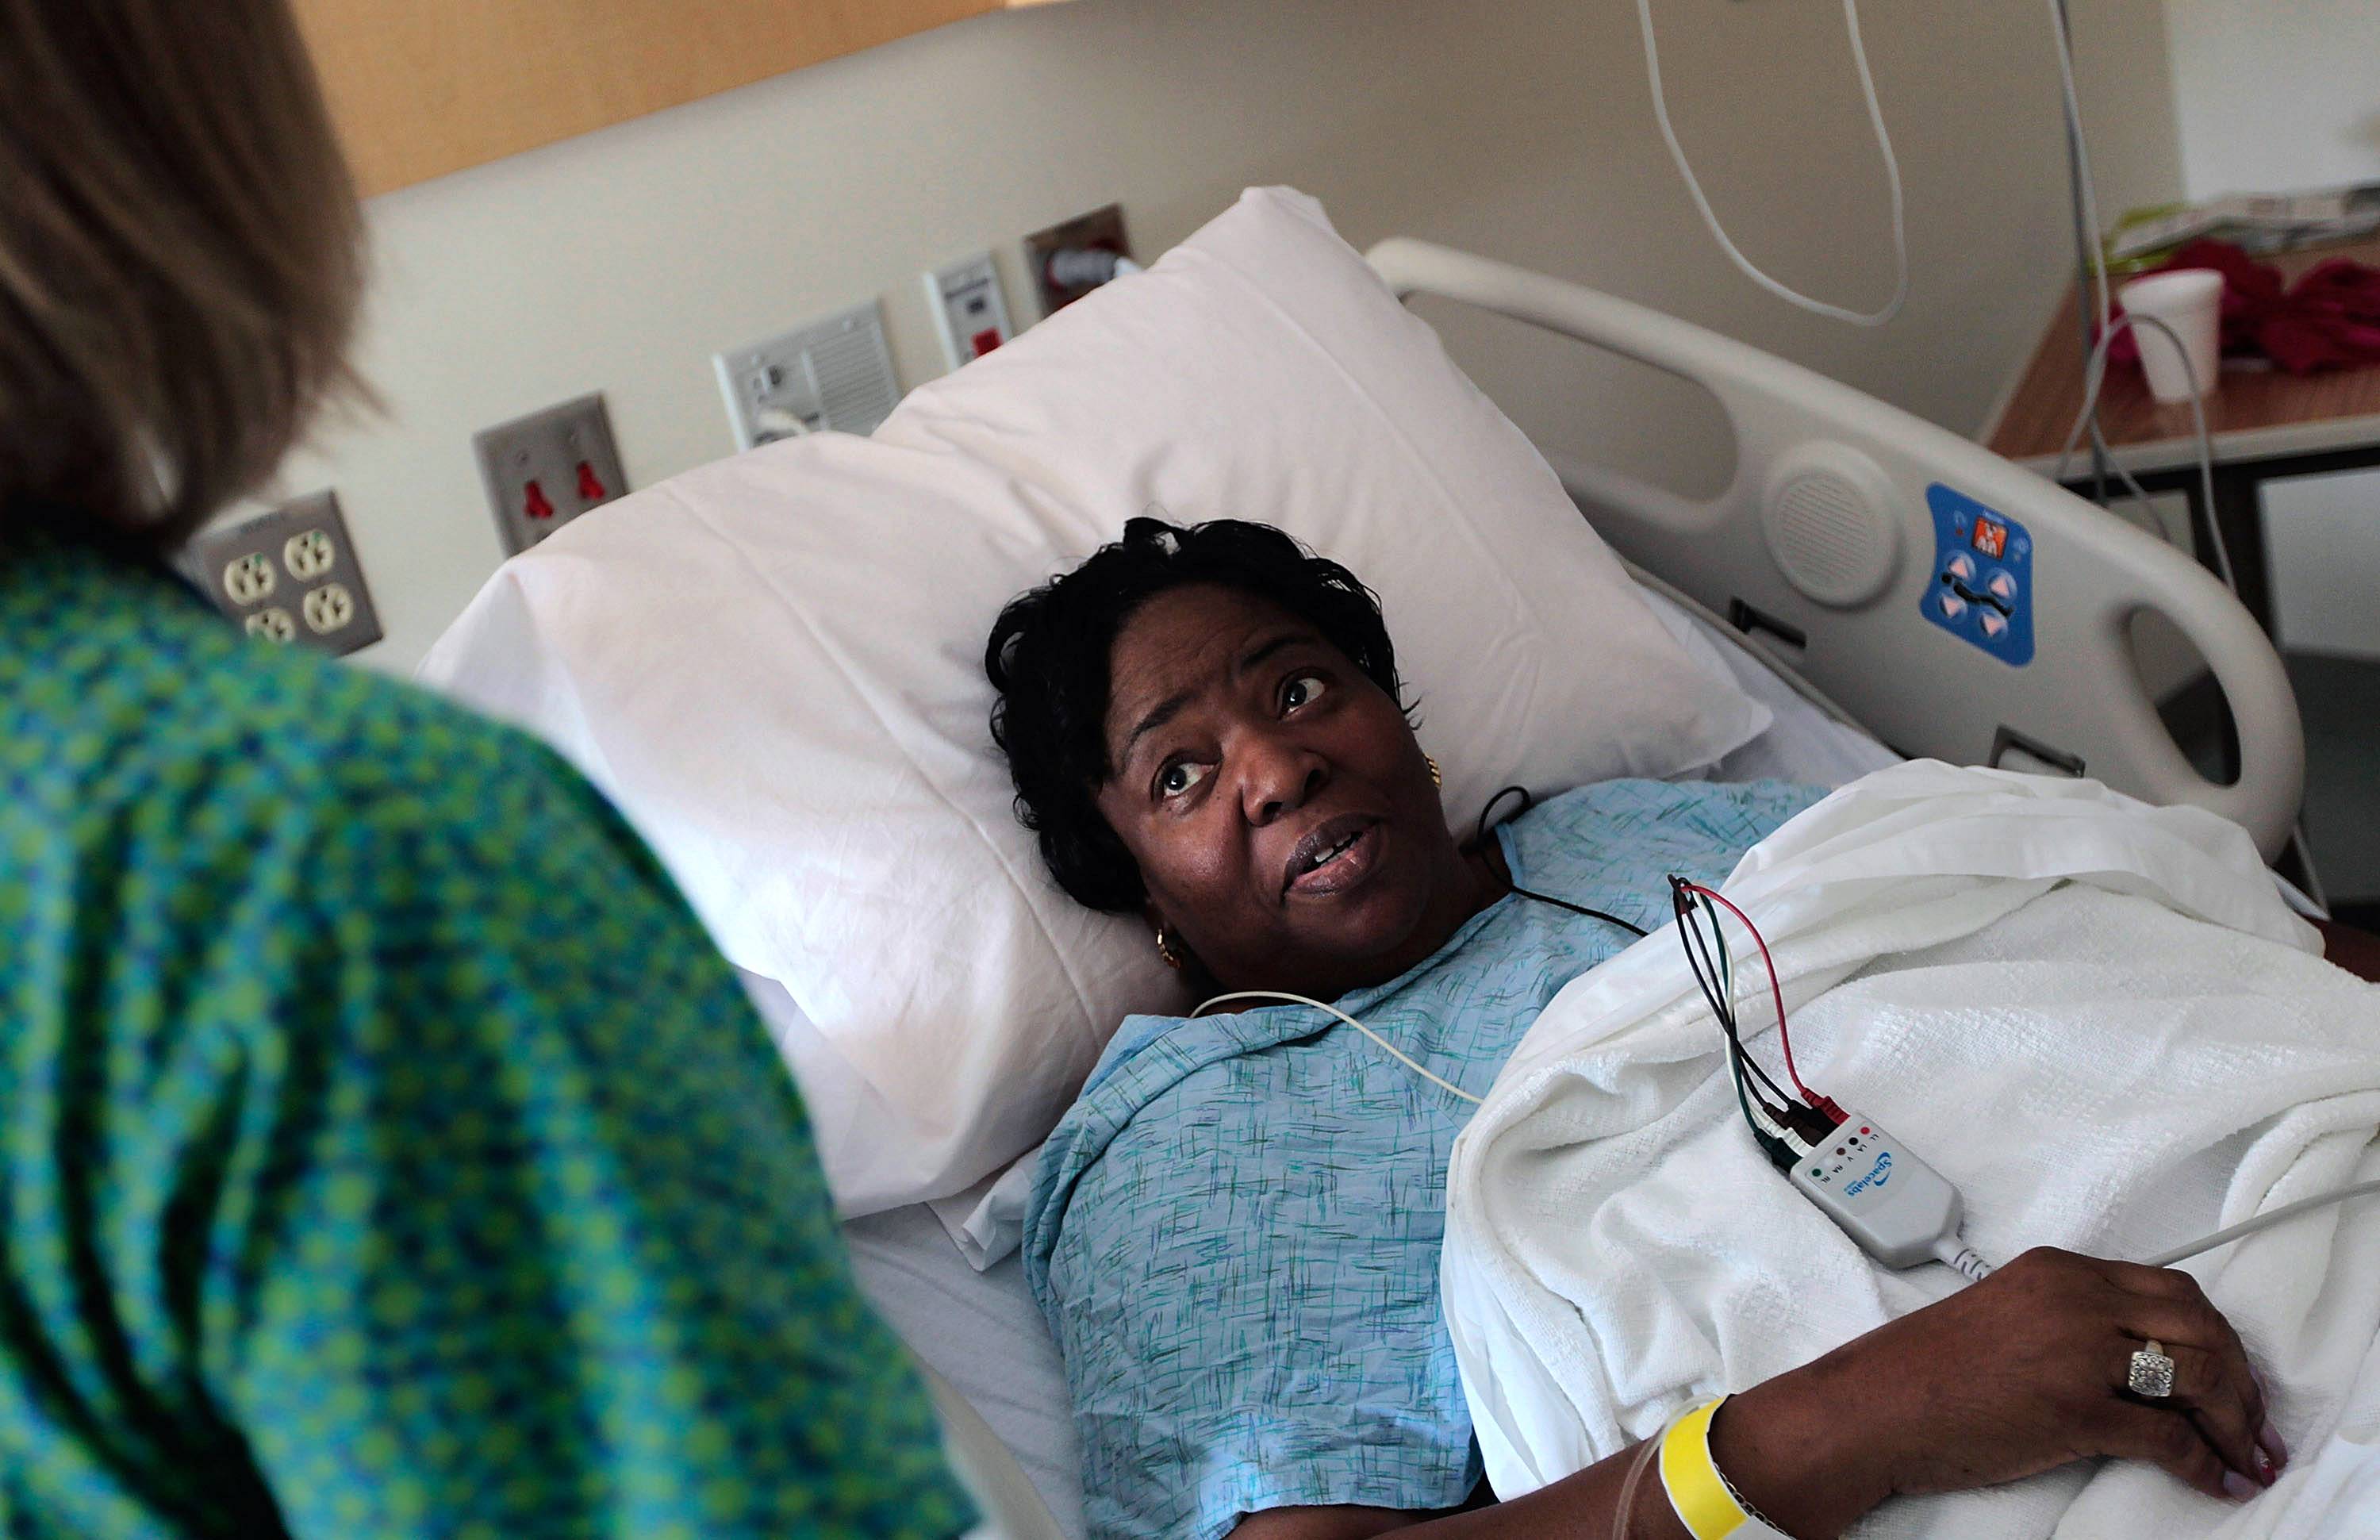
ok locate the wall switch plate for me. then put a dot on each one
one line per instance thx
(970, 313)
(1100, 230)
(289, 575)
(833, 373)
(545, 469)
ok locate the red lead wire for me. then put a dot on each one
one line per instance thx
(1777, 991)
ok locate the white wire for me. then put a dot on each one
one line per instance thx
(2096, 378)
(2132, 487)
(2262, 1221)
(776, 422)
(1394, 1052)
(1710, 216)
(1954, 1252)
(1962, 1258)
(2097, 254)
(2097, 373)
(2109, 327)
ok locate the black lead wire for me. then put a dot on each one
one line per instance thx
(1707, 973)
(1480, 839)
(1636, 931)
(1710, 997)
(1704, 968)
(1780, 1107)
(1479, 835)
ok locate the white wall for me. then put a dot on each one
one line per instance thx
(1517, 128)
(2273, 95)
(2324, 563)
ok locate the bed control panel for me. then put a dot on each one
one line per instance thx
(1981, 586)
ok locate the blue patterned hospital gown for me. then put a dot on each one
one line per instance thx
(1234, 1232)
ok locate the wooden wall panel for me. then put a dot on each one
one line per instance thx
(425, 87)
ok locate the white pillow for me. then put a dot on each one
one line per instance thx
(774, 664)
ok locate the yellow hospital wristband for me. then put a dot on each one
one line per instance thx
(1700, 1497)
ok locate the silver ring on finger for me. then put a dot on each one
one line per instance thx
(2151, 1373)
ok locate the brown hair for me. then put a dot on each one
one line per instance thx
(180, 256)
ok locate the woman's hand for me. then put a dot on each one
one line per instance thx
(2021, 1372)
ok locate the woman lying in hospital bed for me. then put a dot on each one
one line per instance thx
(1615, 1250)
(1235, 1230)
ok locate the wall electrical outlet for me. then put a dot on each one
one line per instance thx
(833, 373)
(289, 575)
(545, 469)
(970, 313)
(1100, 230)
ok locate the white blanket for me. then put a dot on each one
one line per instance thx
(2096, 1019)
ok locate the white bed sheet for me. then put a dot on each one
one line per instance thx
(1803, 744)
(981, 1330)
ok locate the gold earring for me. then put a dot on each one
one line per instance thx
(1434, 778)
(1165, 949)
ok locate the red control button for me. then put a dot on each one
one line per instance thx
(985, 341)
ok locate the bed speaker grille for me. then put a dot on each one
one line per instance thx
(1829, 526)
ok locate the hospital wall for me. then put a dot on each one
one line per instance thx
(2272, 98)
(1522, 128)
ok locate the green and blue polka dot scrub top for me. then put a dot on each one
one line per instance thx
(387, 1152)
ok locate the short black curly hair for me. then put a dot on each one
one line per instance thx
(1049, 658)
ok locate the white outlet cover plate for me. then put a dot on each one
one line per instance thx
(970, 313)
(835, 372)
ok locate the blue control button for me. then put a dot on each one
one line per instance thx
(1980, 588)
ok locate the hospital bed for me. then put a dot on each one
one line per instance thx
(1884, 588)
(1839, 496)
(1797, 573)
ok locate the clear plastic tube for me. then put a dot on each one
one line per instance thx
(1625, 1514)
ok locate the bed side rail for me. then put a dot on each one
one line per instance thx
(1962, 608)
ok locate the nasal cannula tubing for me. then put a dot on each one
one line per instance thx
(2163, 1259)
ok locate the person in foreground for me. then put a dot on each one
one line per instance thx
(1235, 1230)
(387, 1151)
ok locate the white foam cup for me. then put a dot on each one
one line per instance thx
(2191, 301)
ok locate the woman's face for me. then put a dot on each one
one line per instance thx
(1280, 811)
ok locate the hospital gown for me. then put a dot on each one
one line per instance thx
(1234, 1232)
(383, 1149)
